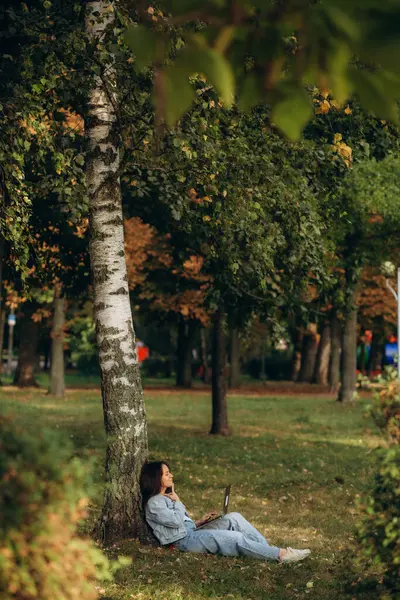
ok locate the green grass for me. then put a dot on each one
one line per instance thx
(296, 466)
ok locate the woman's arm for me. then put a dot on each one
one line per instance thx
(169, 515)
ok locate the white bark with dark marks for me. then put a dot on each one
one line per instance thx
(122, 394)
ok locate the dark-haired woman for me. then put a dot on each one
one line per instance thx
(230, 535)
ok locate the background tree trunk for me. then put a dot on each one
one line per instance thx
(122, 394)
(377, 353)
(219, 404)
(309, 354)
(204, 356)
(336, 347)
(348, 363)
(234, 371)
(186, 333)
(57, 376)
(296, 360)
(2, 327)
(28, 342)
(323, 354)
(2, 310)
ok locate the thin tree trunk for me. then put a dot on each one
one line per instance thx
(336, 348)
(186, 333)
(309, 354)
(204, 357)
(122, 394)
(219, 405)
(234, 372)
(10, 348)
(2, 311)
(2, 327)
(322, 362)
(57, 375)
(28, 343)
(348, 363)
(376, 353)
(296, 360)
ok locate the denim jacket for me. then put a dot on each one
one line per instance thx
(166, 518)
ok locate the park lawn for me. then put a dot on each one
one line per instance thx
(296, 465)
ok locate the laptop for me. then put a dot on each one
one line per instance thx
(224, 509)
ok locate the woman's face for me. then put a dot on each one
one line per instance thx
(167, 479)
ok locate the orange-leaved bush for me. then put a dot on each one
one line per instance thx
(42, 501)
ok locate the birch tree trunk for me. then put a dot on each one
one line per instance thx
(218, 379)
(57, 375)
(122, 394)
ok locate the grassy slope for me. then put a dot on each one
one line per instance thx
(296, 465)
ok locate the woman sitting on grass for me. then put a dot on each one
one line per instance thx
(231, 535)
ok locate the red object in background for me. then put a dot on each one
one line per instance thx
(143, 351)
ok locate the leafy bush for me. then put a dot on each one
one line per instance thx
(385, 410)
(379, 531)
(83, 345)
(42, 501)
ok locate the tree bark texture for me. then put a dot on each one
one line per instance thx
(296, 360)
(2, 311)
(204, 356)
(336, 348)
(348, 363)
(234, 371)
(309, 354)
(186, 334)
(377, 353)
(323, 354)
(57, 375)
(28, 343)
(218, 378)
(2, 327)
(122, 394)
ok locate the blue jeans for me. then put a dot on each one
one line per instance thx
(231, 535)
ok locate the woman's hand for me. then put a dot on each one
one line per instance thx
(173, 495)
(211, 515)
(206, 518)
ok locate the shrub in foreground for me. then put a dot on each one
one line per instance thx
(379, 530)
(42, 501)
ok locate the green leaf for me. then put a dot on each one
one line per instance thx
(250, 95)
(338, 64)
(214, 66)
(142, 41)
(179, 94)
(292, 112)
(345, 24)
(376, 92)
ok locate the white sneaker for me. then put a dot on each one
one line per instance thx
(293, 555)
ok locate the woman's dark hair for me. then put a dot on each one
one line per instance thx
(150, 480)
